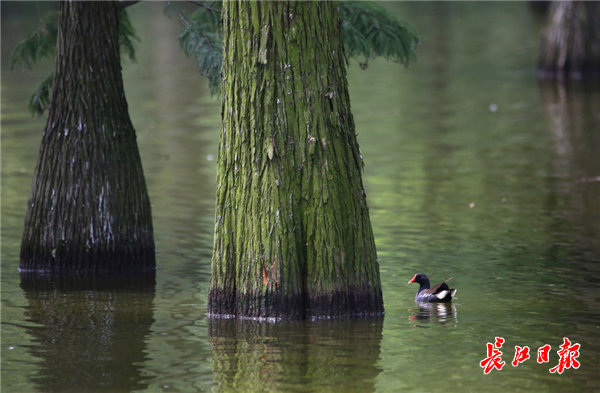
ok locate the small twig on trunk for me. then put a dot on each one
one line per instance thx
(124, 4)
(201, 4)
(178, 13)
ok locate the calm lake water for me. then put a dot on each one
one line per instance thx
(474, 170)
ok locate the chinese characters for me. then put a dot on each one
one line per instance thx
(567, 356)
(493, 356)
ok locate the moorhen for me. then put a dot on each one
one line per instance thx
(439, 293)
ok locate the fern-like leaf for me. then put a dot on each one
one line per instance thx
(40, 99)
(370, 31)
(38, 44)
(127, 35)
(41, 43)
(201, 38)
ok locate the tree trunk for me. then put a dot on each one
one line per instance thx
(88, 210)
(570, 46)
(293, 236)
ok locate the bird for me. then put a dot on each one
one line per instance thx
(439, 293)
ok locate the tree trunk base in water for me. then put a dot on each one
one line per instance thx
(130, 281)
(293, 238)
(65, 261)
(273, 308)
(88, 209)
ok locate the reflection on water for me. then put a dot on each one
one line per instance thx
(89, 333)
(436, 312)
(572, 112)
(506, 201)
(319, 355)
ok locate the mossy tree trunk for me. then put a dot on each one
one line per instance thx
(88, 210)
(570, 46)
(293, 236)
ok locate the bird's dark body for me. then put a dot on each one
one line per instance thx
(440, 293)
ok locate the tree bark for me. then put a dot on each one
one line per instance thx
(293, 236)
(88, 210)
(570, 46)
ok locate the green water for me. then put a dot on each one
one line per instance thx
(473, 171)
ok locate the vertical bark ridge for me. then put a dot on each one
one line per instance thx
(89, 208)
(292, 236)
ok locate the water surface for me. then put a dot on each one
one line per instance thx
(474, 170)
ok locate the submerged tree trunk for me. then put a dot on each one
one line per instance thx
(570, 45)
(293, 236)
(89, 208)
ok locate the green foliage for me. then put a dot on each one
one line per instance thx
(127, 35)
(41, 43)
(40, 99)
(201, 38)
(38, 44)
(369, 30)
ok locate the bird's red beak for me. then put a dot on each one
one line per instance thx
(413, 279)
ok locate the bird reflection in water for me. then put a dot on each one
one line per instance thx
(438, 312)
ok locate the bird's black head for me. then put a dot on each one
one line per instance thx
(420, 278)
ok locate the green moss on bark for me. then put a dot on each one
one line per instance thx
(292, 236)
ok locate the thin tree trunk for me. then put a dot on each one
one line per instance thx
(570, 46)
(89, 208)
(293, 236)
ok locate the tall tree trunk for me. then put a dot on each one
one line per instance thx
(293, 236)
(89, 208)
(570, 46)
